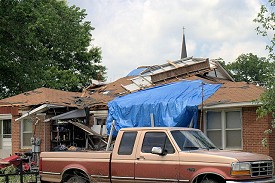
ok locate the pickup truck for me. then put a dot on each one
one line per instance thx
(158, 155)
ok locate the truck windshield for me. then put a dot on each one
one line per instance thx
(192, 140)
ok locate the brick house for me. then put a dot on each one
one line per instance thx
(229, 116)
(20, 113)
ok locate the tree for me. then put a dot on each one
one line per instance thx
(266, 28)
(250, 68)
(45, 43)
(266, 19)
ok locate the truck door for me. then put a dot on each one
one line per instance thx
(123, 158)
(154, 167)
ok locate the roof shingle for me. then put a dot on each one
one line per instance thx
(235, 92)
(42, 96)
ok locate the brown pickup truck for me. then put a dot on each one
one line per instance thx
(158, 155)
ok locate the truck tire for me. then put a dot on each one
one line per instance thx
(76, 179)
(209, 181)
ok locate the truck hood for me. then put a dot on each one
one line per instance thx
(222, 156)
(240, 156)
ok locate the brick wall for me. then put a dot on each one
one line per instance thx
(9, 110)
(15, 131)
(253, 132)
(42, 131)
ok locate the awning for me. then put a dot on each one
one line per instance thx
(78, 113)
(39, 109)
(85, 128)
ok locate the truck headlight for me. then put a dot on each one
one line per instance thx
(240, 168)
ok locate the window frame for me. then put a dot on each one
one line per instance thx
(96, 120)
(2, 128)
(101, 114)
(25, 132)
(4, 117)
(223, 126)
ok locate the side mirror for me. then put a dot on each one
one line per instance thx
(158, 150)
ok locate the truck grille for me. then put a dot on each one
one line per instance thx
(261, 168)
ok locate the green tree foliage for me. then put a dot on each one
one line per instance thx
(266, 28)
(45, 43)
(250, 68)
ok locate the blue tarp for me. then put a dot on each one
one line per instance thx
(172, 105)
(136, 72)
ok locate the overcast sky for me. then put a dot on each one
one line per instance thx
(135, 33)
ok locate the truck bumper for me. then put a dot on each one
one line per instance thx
(254, 181)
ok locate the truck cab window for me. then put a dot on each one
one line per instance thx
(127, 143)
(157, 139)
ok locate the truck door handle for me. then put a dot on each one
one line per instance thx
(141, 158)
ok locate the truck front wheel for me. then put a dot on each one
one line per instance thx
(76, 179)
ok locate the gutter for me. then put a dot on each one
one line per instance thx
(231, 105)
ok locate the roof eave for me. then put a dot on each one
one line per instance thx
(232, 105)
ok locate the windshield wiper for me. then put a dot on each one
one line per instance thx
(196, 148)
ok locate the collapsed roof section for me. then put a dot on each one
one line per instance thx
(154, 75)
(180, 69)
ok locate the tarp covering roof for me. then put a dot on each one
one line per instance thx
(136, 72)
(174, 104)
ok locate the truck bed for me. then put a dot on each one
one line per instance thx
(78, 154)
(55, 164)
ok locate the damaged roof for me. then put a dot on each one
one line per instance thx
(149, 76)
(209, 71)
(105, 93)
(230, 92)
(42, 96)
(98, 94)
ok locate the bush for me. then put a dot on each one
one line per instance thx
(15, 178)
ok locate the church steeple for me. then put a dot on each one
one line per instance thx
(183, 47)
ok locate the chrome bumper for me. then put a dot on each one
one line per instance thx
(254, 181)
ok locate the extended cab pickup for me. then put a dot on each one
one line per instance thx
(158, 155)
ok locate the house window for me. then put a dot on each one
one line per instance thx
(214, 128)
(100, 121)
(100, 125)
(224, 129)
(26, 126)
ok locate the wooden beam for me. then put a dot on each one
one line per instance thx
(173, 64)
